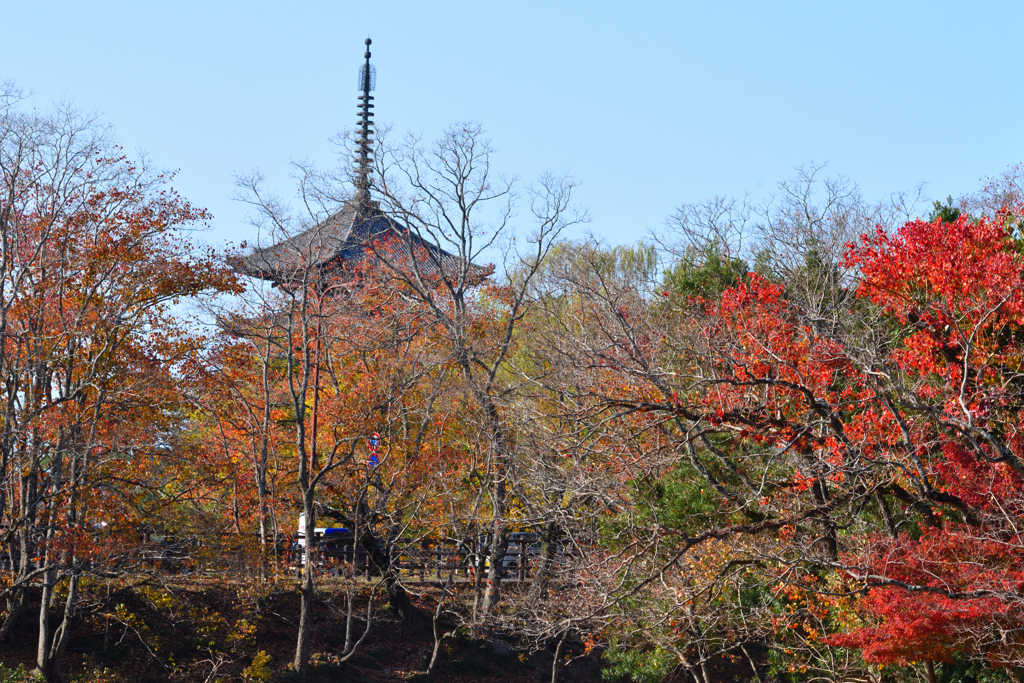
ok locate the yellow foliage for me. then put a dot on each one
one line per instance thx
(260, 669)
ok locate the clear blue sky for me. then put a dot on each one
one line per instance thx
(650, 103)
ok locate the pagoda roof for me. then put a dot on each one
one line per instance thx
(348, 237)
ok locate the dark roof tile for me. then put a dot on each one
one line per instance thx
(345, 239)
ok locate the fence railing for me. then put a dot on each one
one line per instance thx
(418, 560)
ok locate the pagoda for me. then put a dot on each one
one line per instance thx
(357, 231)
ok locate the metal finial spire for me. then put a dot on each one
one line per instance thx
(367, 81)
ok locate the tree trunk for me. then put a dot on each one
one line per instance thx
(753, 664)
(438, 639)
(499, 547)
(479, 567)
(383, 558)
(43, 640)
(15, 607)
(26, 548)
(306, 591)
(556, 665)
(351, 609)
(61, 636)
(18, 598)
(499, 543)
